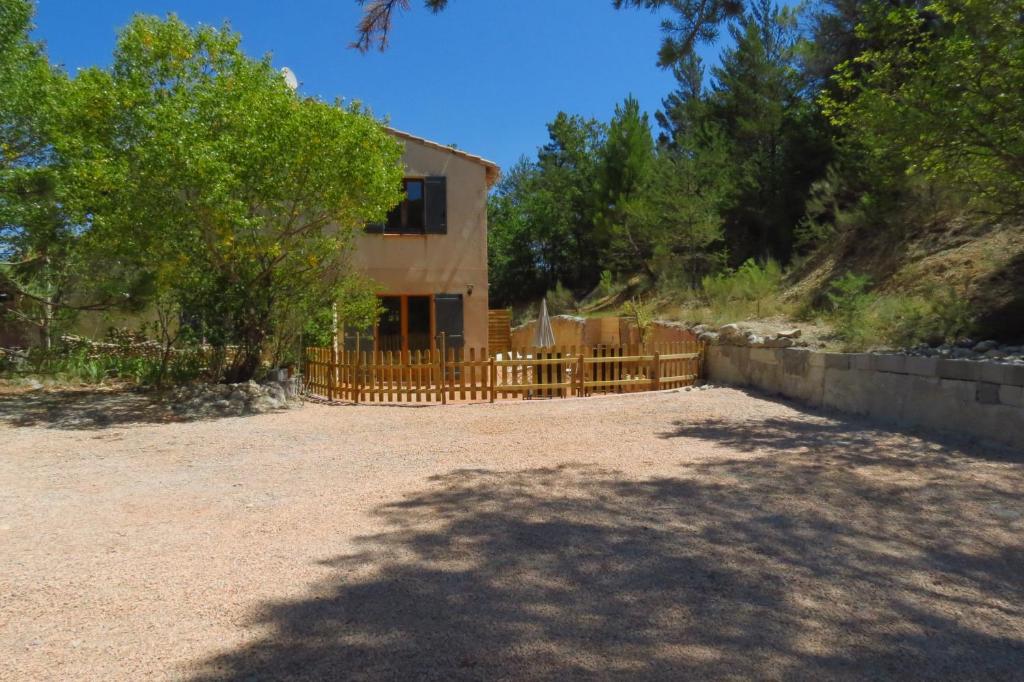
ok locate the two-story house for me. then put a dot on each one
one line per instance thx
(430, 257)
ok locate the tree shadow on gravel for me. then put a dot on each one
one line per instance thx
(853, 439)
(87, 409)
(769, 567)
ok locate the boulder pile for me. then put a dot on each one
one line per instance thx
(222, 400)
(969, 349)
(734, 335)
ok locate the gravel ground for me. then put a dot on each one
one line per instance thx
(705, 534)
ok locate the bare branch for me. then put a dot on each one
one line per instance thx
(375, 25)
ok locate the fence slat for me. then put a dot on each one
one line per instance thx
(453, 373)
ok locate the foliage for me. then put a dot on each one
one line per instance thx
(90, 367)
(642, 314)
(932, 317)
(542, 217)
(674, 219)
(49, 255)
(849, 298)
(776, 141)
(942, 88)
(560, 301)
(625, 161)
(605, 286)
(752, 282)
(186, 177)
(241, 197)
(727, 183)
(862, 319)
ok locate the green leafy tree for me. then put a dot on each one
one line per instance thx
(542, 228)
(242, 197)
(676, 216)
(942, 89)
(49, 254)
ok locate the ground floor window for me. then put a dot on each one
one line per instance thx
(412, 322)
(407, 324)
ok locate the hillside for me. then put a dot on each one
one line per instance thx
(977, 262)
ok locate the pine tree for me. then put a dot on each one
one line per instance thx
(625, 162)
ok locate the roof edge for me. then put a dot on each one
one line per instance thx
(492, 170)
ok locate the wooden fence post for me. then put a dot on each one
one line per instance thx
(656, 372)
(358, 388)
(444, 370)
(492, 374)
(580, 368)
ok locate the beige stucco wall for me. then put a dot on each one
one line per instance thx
(434, 264)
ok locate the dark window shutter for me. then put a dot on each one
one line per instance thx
(436, 205)
(448, 318)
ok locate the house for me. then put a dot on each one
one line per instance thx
(430, 257)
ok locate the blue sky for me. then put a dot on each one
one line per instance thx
(485, 74)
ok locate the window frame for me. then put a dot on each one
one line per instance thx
(404, 211)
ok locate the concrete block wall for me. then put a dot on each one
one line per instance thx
(980, 399)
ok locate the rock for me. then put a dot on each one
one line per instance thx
(729, 332)
(708, 337)
(963, 354)
(755, 341)
(965, 342)
(237, 395)
(276, 392)
(779, 342)
(264, 404)
(985, 346)
(994, 354)
(789, 334)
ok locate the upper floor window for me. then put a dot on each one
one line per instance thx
(409, 216)
(423, 210)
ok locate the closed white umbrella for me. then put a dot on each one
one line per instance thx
(543, 336)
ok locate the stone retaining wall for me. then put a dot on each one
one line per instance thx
(982, 399)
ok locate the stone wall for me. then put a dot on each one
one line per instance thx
(984, 399)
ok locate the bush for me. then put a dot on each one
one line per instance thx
(849, 299)
(755, 287)
(864, 320)
(82, 364)
(560, 301)
(642, 315)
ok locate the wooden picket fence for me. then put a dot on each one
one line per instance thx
(474, 374)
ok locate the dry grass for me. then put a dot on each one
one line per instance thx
(704, 534)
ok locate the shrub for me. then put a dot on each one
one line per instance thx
(642, 315)
(560, 300)
(863, 320)
(849, 299)
(753, 286)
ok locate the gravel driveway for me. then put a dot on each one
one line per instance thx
(703, 534)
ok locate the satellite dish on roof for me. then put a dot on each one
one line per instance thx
(289, 79)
